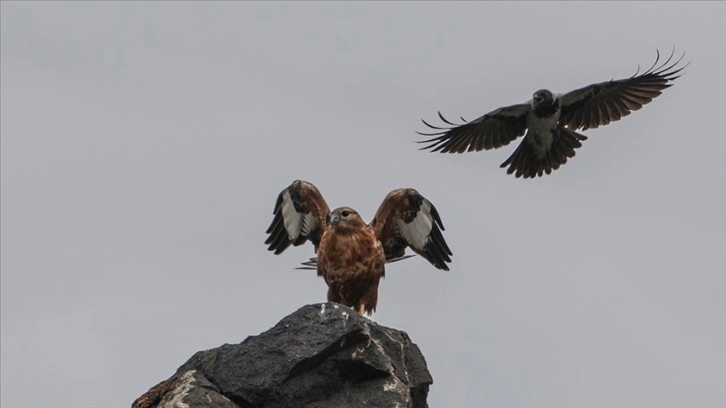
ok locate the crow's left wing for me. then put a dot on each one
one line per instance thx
(599, 104)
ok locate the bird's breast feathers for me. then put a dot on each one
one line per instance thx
(540, 131)
(353, 254)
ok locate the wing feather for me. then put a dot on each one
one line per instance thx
(599, 104)
(299, 215)
(495, 129)
(405, 218)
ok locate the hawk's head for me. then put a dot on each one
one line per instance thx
(345, 217)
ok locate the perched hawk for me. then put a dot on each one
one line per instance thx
(350, 254)
(551, 120)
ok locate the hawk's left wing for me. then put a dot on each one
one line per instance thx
(407, 219)
(599, 104)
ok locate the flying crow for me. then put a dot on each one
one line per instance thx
(551, 120)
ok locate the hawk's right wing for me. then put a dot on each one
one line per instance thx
(299, 215)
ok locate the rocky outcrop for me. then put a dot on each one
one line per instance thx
(322, 355)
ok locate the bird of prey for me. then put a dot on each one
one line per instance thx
(350, 254)
(551, 120)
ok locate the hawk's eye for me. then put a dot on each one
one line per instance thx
(345, 213)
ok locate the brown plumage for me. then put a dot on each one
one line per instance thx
(350, 254)
(351, 260)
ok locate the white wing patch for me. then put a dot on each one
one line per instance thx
(309, 223)
(296, 223)
(290, 217)
(417, 231)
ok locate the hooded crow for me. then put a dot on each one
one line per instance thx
(551, 120)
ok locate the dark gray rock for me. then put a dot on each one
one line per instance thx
(323, 355)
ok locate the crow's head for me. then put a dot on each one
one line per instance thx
(542, 98)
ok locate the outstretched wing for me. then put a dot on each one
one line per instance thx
(493, 130)
(299, 215)
(407, 219)
(599, 104)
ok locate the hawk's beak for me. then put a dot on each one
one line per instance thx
(334, 219)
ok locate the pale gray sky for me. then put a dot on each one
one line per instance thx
(144, 144)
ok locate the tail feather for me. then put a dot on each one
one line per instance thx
(312, 263)
(525, 163)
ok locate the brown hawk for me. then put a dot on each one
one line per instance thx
(350, 254)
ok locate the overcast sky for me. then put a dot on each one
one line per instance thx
(144, 145)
